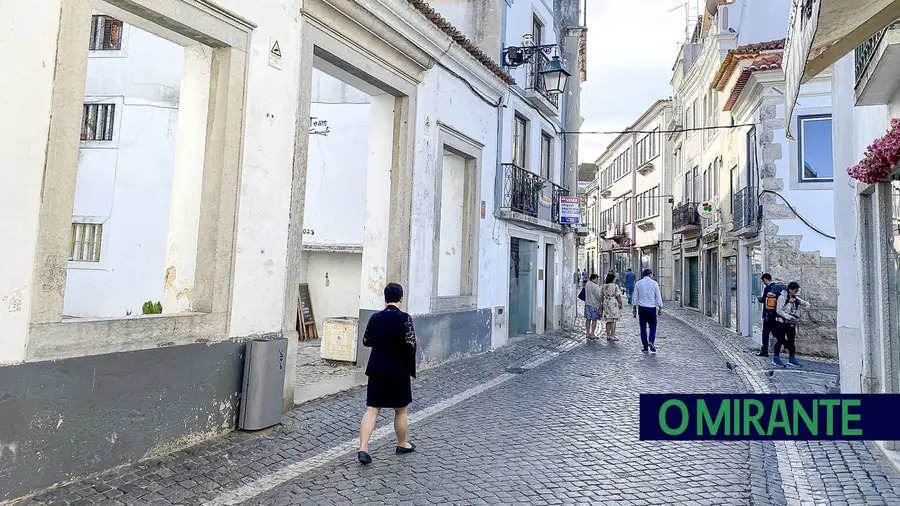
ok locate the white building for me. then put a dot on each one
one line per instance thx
(633, 194)
(233, 141)
(865, 85)
(729, 77)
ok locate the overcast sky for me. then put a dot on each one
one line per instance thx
(631, 47)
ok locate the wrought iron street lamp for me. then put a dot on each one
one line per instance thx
(553, 73)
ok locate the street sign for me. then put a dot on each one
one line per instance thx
(274, 54)
(569, 212)
(705, 209)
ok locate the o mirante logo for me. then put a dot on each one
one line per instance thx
(773, 417)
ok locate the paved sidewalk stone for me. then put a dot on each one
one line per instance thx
(565, 432)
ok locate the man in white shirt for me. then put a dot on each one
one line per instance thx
(647, 300)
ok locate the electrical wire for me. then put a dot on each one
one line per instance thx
(471, 87)
(679, 130)
(798, 215)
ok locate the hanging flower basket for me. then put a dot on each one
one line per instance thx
(882, 159)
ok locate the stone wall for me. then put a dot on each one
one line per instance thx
(784, 259)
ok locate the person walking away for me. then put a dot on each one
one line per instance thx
(577, 278)
(593, 303)
(391, 336)
(612, 306)
(629, 284)
(769, 301)
(648, 306)
(584, 277)
(786, 318)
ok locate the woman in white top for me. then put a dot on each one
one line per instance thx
(612, 306)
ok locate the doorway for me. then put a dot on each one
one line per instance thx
(754, 261)
(711, 289)
(678, 280)
(549, 287)
(522, 256)
(731, 293)
(693, 296)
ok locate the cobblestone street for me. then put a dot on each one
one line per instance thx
(546, 420)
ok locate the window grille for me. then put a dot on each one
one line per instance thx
(106, 34)
(97, 123)
(86, 242)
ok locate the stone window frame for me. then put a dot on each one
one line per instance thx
(186, 22)
(452, 141)
(795, 183)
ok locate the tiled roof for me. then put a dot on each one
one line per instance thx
(734, 57)
(462, 40)
(766, 62)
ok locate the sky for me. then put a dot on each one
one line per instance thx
(631, 47)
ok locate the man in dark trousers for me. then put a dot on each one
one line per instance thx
(629, 284)
(768, 317)
(647, 305)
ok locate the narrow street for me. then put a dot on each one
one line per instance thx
(546, 420)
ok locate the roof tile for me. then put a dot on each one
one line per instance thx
(462, 40)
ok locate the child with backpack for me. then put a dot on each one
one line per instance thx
(787, 315)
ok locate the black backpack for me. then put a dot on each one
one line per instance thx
(770, 303)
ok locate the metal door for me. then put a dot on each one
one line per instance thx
(693, 282)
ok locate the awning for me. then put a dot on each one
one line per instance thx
(822, 31)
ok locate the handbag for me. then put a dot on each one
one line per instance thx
(581, 295)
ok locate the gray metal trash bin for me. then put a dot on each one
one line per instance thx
(263, 389)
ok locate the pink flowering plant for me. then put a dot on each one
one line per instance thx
(880, 159)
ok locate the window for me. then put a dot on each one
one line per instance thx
(86, 241)
(688, 194)
(647, 204)
(732, 186)
(695, 110)
(814, 140)
(97, 122)
(537, 31)
(689, 119)
(546, 146)
(706, 183)
(696, 176)
(520, 141)
(106, 34)
(752, 172)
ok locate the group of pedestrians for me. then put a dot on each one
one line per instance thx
(780, 317)
(391, 336)
(604, 302)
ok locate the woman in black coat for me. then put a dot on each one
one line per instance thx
(392, 363)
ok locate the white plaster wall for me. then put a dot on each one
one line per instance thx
(814, 203)
(269, 124)
(453, 175)
(519, 21)
(126, 184)
(854, 128)
(445, 99)
(536, 125)
(333, 280)
(25, 91)
(336, 176)
(760, 20)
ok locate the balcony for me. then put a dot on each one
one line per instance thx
(877, 62)
(686, 219)
(745, 213)
(615, 231)
(530, 198)
(535, 91)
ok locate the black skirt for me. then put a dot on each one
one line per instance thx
(389, 392)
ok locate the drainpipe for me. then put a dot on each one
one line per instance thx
(635, 264)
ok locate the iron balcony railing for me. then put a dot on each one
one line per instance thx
(685, 216)
(866, 51)
(522, 192)
(744, 210)
(536, 80)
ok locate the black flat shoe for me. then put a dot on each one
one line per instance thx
(364, 458)
(401, 450)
